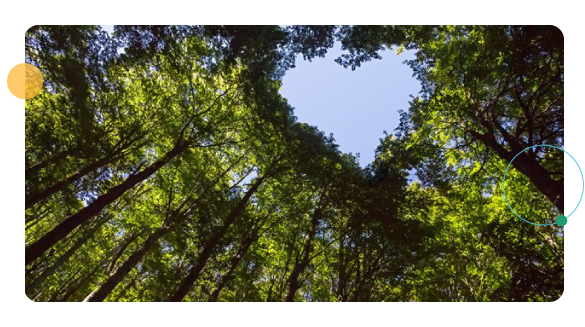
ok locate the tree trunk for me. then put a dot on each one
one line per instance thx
(36, 249)
(59, 186)
(28, 172)
(80, 281)
(294, 283)
(552, 189)
(342, 274)
(210, 245)
(112, 264)
(529, 167)
(30, 288)
(114, 155)
(80, 284)
(128, 287)
(104, 290)
(176, 217)
(233, 265)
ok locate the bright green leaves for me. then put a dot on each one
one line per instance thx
(319, 228)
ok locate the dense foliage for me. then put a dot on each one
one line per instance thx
(162, 164)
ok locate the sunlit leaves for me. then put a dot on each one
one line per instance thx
(318, 227)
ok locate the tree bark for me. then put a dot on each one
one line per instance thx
(59, 186)
(36, 249)
(106, 288)
(130, 285)
(29, 172)
(212, 242)
(114, 155)
(552, 189)
(341, 278)
(80, 282)
(30, 288)
(176, 217)
(112, 264)
(294, 283)
(235, 261)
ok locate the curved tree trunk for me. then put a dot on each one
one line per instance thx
(552, 189)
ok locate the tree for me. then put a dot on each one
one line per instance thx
(484, 87)
(163, 164)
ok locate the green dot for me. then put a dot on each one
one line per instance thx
(561, 220)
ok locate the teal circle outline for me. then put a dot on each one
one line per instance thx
(534, 146)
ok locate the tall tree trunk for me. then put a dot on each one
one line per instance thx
(112, 264)
(80, 282)
(59, 291)
(82, 279)
(212, 242)
(36, 249)
(113, 156)
(175, 218)
(342, 274)
(30, 288)
(59, 186)
(129, 286)
(102, 292)
(28, 172)
(233, 265)
(300, 266)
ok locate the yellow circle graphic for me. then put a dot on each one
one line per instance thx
(25, 81)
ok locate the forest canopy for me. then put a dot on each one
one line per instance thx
(163, 164)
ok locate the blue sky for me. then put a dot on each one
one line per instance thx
(108, 28)
(356, 106)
